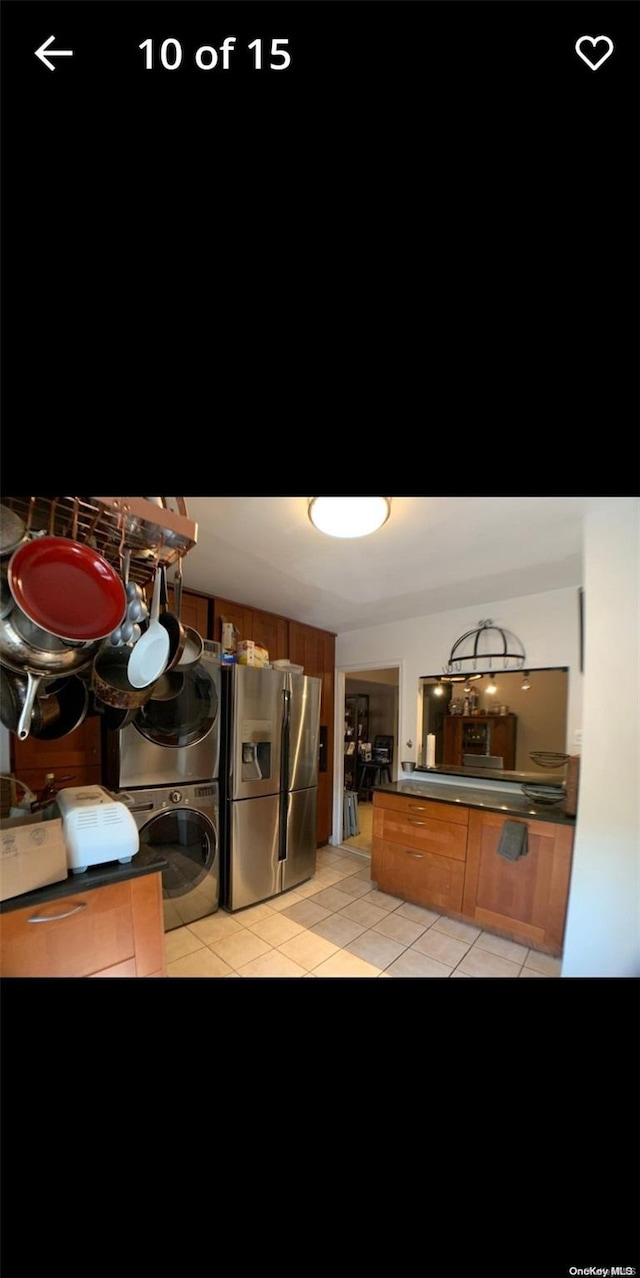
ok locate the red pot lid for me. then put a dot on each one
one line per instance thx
(67, 588)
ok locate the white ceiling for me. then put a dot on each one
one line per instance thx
(434, 554)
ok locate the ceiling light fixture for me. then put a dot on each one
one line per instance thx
(492, 686)
(349, 516)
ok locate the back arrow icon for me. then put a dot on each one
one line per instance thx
(53, 53)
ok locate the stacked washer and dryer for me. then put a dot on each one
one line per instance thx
(164, 766)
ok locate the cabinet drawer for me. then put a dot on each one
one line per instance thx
(417, 828)
(74, 935)
(419, 876)
(417, 807)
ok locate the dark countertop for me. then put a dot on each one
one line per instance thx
(477, 797)
(542, 776)
(96, 876)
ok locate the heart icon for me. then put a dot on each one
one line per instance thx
(593, 41)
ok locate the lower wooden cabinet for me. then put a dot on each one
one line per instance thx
(114, 930)
(445, 857)
(419, 850)
(526, 899)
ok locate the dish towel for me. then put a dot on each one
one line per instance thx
(513, 840)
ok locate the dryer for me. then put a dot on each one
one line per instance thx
(171, 741)
(181, 825)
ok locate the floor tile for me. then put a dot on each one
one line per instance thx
(375, 948)
(342, 963)
(253, 913)
(338, 929)
(272, 964)
(304, 890)
(241, 948)
(411, 963)
(446, 949)
(276, 929)
(328, 877)
(307, 913)
(500, 945)
(462, 931)
(484, 963)
(332, 899)
(417, 914)
(531, 971)
(215, 927)
(361, 912)
(399, 929)
(286, 900)
(308, 949)
(355, 887)
(544, 963)
(382, 900)
(180, 942)
(202, 962)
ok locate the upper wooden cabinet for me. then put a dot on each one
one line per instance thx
(194, 611)
(266, 628)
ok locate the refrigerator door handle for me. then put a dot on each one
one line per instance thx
(284, 773)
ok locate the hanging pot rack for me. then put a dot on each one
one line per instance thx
(153, 534)
(476, 646)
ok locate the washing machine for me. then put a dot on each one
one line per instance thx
(180, 823)
(172, 740)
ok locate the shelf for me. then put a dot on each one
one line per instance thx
(152, 534)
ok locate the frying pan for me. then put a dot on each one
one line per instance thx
(13, 696)
(173, 625)
(38, 663)
(194, 645)
(67, 588)
(72, 702)
(110, 681)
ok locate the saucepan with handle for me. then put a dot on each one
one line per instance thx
(194, 644)
(39, 661)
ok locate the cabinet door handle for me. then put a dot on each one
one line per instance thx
(53, 918)
(419, 855)
(415, 807)
(412, 821)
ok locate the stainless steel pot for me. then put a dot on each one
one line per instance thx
(38, 662)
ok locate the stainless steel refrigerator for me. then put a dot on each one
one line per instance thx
(269, 782)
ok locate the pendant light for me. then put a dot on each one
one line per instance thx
(525, 683)
(349, 516)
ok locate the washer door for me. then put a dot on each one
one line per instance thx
(188, 717)
(187, 841)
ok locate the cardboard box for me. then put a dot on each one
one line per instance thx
(250, 653)
(32, 854)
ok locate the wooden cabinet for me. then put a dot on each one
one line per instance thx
(74, 759)
(316, 651)
(114, 930)
(526, 899)
(445, 856)
(419, 850)
(266, 628)
(479, 734)
(194, 610)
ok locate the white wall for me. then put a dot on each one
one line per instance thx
(603, 930)
(602, 926)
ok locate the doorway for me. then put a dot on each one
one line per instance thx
(368, 701)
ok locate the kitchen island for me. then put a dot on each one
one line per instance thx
(107, 921)
(441, 846)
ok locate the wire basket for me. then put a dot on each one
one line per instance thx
(545, 795)
(548, 758)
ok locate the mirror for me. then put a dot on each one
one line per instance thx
(500, 730)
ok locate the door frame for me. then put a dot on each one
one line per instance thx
(342, 673)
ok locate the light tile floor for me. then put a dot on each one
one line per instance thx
(339, 924)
